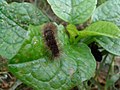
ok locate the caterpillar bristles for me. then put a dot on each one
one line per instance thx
(49, 31)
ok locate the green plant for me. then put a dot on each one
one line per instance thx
(22, 43)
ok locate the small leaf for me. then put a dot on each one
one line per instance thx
(74, 65)
(14, 20)
(112, 45)
(108, 11)
(73, 32)
(101, 28)
(73, 11)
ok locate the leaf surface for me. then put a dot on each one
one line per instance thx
(108, 11)
(14, 21)
(35, 67)
(73, 11)
(101, 28)
(73, 32)
(112, 45)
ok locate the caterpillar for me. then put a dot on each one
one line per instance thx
(49, 30)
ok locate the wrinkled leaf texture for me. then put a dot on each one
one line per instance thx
(112, 45)
(14, 21)
(108, 11)
(73, 11)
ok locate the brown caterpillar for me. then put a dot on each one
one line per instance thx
(49, 35)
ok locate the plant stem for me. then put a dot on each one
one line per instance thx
(101, 65)
(110, 68)
(97, 72)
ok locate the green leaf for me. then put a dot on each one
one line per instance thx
(24, 14)
(14, 20)
(108, 11)
(32, 47)
(73, 32)
(101, 28)
(74, 65)
(112, 45)
(73, 11)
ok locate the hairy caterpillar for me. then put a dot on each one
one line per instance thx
(49, 30)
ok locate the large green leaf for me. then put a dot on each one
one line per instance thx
(14, 20)
(73, 11)
(74, 65)
(101, 28)
(108, 11)
(112, 45)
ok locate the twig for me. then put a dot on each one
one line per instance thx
(109, 72)
(16, 84)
